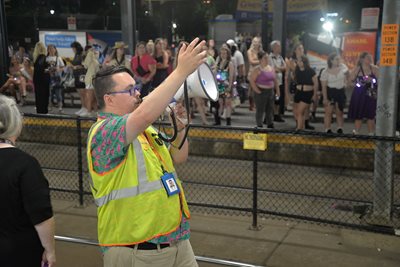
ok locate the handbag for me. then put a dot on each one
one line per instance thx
(140, 69)
(68, 80)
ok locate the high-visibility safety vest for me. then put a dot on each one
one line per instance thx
(132, 203)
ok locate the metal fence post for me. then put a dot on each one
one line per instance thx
(254, 226)
(80, 164)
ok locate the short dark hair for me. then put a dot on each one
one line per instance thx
(103, 82)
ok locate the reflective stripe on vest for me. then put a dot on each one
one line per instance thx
(143, 185)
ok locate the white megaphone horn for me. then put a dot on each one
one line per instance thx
(201, 83)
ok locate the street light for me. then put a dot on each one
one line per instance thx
(328, 26)
(52, 11)
(174, 25)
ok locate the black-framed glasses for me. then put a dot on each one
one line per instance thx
(130, 90)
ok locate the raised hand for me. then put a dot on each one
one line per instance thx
(191, 57)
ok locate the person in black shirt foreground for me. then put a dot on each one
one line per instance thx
(26, 221)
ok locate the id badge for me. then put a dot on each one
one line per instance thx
(170, 184)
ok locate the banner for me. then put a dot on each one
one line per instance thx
(62, 40)
(251, 9)
(356, 42)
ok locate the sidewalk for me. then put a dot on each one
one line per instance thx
(242, 117)
(278, 244)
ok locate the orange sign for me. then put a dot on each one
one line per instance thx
(388, 56)
(390, 34)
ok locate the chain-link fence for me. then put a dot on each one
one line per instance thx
(327, 178)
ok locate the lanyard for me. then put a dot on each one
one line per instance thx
(160, 159)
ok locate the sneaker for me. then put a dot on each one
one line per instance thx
(328, 131)
(355, 132)
(81, 111)
(309, 127)
(85, 114)
(271, 126)
(339, 131)
(278, 118)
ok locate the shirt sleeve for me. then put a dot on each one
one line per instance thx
(109, 146)
(151, 60)
(60, 62)
(312, 72)
(344, 68)
(134, 65)
(35, 192)
(239, 58)
(324, 75)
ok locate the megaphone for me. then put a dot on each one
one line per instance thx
(201, 83)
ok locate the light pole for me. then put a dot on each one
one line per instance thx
(4, 57)
(128, 23)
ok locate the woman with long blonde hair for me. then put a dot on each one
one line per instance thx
(252, 55)
(41, 78)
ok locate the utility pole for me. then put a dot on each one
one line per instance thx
(3, 44)
(128, 23)
(279, 23)
(386, 113)
(264, 24)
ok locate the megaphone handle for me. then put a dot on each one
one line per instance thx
(187, 106)
(170, 140)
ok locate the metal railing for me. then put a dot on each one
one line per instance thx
(83, 241)
(307, 176)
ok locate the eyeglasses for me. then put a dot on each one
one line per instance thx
(131, 90)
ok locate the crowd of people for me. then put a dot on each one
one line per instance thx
(272, 84)
(131, 168)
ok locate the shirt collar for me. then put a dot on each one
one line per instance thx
(106, 115)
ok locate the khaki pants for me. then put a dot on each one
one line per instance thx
(177, 255)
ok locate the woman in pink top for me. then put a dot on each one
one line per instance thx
(144, 67)
(263, 81)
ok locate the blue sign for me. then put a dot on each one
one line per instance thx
(59, 40)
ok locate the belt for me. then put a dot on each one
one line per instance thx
(148, 246)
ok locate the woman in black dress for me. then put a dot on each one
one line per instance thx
(41, 79)
(26, 221)
(161, 56)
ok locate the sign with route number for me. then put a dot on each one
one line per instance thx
(389, 48)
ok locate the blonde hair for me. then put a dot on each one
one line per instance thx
(150, 47)
(260, 48)
(40, 49)
(10, 118)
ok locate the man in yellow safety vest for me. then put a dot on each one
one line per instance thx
(142, 210)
